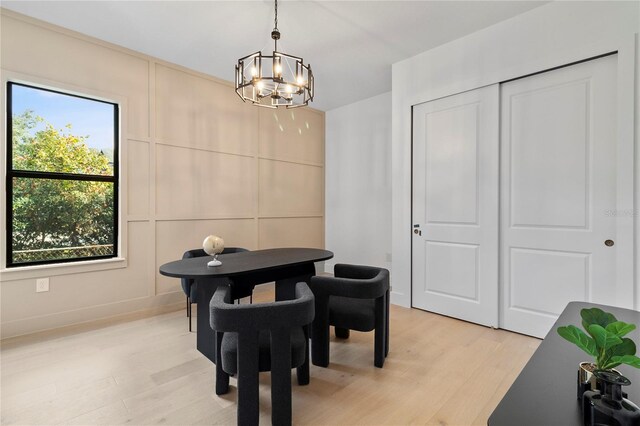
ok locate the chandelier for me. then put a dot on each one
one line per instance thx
(274, 80)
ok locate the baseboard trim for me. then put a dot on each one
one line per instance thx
(60, 324)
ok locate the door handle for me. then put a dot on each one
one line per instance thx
(417, 232)
(609, 243)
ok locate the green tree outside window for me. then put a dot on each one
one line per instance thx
(57, 218)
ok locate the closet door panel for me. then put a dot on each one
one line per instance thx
(455, 206)
(558, 180)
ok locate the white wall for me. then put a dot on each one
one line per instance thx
(552, 35)
(358, 182)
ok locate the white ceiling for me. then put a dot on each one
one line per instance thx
(350, 44)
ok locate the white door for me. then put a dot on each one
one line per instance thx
(455, 206)
(558, 194)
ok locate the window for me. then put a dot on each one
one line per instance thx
(62, 177)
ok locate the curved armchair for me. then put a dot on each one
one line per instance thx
(189, 286)
(355, 298)
(262, 337)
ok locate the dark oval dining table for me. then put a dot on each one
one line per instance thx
(285, 266)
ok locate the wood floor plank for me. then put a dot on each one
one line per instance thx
(440, 371)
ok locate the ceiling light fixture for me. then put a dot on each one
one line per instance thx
(276, 80)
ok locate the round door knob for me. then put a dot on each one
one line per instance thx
(415, 231)
(609, 243)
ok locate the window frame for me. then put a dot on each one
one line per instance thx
(11, 174)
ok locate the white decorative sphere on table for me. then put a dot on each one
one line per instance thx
(213, 246)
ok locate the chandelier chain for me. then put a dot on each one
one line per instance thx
(276, 16)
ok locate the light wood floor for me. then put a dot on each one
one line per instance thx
(439, 371)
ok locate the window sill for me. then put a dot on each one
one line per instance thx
(39, 271)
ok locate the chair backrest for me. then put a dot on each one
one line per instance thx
(225, 316)
(355, 281)
(187, 282)
(200, 252)
(228, 250)
(193, 253)
(360, 272)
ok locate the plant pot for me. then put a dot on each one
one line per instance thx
(587, 381)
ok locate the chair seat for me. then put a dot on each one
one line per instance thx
(354, 314)
(229, 349)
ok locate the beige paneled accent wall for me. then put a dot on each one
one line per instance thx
(195, 161)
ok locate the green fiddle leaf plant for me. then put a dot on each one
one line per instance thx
(604, 339)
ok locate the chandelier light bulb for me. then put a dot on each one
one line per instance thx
(260, 84)
(254, 72)
(277, 69)
(288, 88)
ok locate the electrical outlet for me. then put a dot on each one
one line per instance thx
(42, 284)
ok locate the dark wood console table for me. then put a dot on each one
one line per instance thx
(545, 391)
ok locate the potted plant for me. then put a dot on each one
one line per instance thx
(604, 340)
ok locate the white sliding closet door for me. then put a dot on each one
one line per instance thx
(558, 194)
(455, 206)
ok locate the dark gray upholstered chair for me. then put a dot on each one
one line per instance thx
(189, 286)
(262, 337)
(356, 298)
